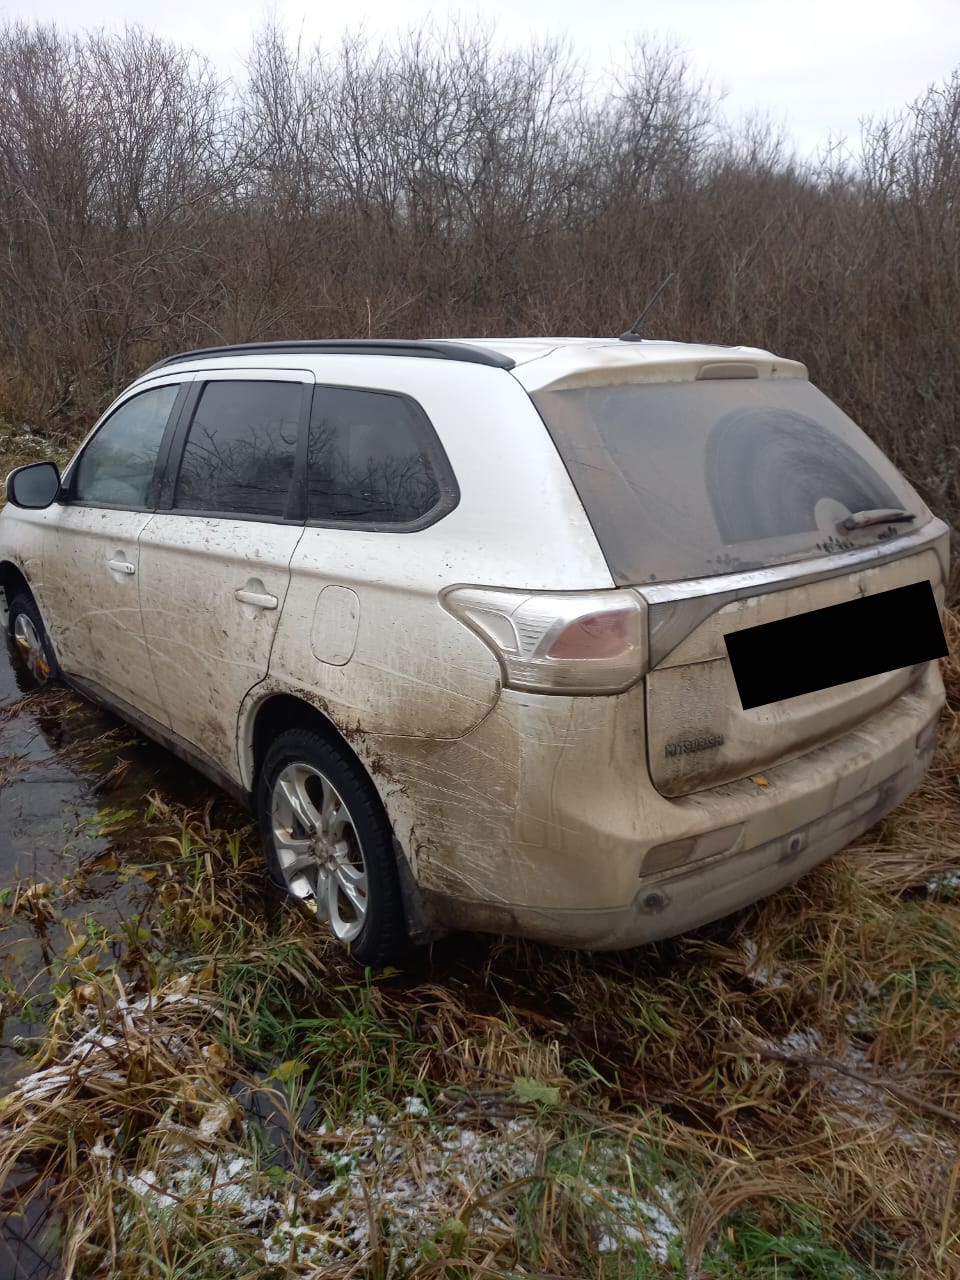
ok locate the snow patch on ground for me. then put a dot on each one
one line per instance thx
(398, 1177)
(640, 1222)
(948, 880)
(399, 1180)
(83, 1059)
(858, 1100)
(105, 1056)
(758, 973)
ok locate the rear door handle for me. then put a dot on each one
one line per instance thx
(260, 599)
(121, 566)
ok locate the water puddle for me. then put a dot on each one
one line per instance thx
(74, 787)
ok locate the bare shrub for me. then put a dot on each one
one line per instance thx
(446, 184)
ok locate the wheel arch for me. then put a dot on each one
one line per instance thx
(13, 581)
(275, 713)
(280, 710)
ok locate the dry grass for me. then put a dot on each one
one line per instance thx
(777, 1094)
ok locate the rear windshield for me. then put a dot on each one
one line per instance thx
(692, 479)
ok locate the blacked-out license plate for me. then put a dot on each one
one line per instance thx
(843, 642)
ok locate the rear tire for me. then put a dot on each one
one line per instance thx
(31, 641)
(329, 845)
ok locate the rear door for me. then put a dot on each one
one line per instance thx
(700, 735)
(90, 591)
(215, 559)
(362, 626)
(731, 500)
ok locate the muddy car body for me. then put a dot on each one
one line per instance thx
(485, 597)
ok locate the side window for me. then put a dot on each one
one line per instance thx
(116, 467)
(240, 449)
(371, 458)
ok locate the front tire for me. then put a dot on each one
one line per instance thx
(31, 641)
(328, 843)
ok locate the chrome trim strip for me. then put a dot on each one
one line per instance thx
(797, 573)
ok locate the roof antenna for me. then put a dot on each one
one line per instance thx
(633, 333)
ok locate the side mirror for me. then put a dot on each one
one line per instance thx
(35, 486)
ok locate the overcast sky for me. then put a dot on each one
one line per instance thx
(818, 67)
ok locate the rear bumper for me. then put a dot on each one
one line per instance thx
(810, 808)
(716, 886)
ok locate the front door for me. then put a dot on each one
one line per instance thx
(215, 559)
(91, 552)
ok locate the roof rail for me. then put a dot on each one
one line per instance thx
(429, 349)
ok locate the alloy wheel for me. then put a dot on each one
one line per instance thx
(30, 645)
(318, 850)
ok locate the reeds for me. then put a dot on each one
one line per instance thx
(776, 1094)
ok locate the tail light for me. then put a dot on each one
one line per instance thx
(569, 642)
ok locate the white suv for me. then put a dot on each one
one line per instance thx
(589, 640)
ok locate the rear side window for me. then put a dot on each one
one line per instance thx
(373, 459)
(116, 468)
(693, 479)
(240, 449)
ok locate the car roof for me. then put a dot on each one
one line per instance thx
(536, 362)
(523, 350)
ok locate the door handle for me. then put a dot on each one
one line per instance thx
(121, 566)
(260, 599)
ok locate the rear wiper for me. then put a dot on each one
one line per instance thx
(880, 515)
